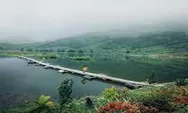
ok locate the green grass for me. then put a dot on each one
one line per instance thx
(39, 55)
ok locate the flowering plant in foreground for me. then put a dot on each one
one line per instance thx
(181, 100)
(126, 107)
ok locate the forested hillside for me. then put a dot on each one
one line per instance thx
(152, 42)
(167, 42)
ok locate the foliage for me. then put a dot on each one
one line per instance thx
(122, 94)
(81, 58)
(71, 51)
(160, 98)
(126, 107)
(77, 106)
(110, 93)
(149, 99)
(127, 51)
(80, 51)
(151, 78)
(60, 50)
(44, 101)
(181, 99)
(113, 42)
(181, 108)
(46, 55)
(43, 105)
(181, 82)
(89, 102)
(80, 105)
(160, 102)
(65, 91)
(39, 55)
(113, 93)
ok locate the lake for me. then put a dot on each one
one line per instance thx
(20, 82)
(132, 68)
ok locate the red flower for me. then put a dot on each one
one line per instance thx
(126, 107)
(181, 99)
(129, 111)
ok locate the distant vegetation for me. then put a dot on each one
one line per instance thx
(81, 58)
(155, 45)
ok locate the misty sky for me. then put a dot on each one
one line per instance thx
(41, 20)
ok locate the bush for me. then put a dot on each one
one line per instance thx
(151, 78)
(159, 102)
(181, 99)
(110, 93)
(161, 98)
(77, 106)
(42, 105)
(126, 107)
(181, 82)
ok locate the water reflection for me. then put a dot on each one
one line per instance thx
(132, 68)
(29, 82)
(83, 81)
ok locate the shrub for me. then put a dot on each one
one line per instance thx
(159, 102)
(122, 94)
(118, 107)
(127, 51)
(110, 93)
(162, 99)
(77, 106)
(181, 82)
(65, 91)
(182, 108)
(126, 107)
(89, 102)
(151, 78)
(43, 105)
(149, 109)
(181, 100)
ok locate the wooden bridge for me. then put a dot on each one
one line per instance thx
(87, 75)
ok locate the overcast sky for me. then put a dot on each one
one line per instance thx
(41, 20)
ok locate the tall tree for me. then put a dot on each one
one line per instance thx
(65, 91)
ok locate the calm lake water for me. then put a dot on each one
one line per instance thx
(20, 81)
(133, 68)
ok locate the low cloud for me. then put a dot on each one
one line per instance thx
(43, 20)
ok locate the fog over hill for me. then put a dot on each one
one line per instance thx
(46, 20)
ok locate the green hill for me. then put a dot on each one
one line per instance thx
(109, 41)
(165, 41)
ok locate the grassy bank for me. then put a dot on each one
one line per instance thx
(39, 55)
(81, 58)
